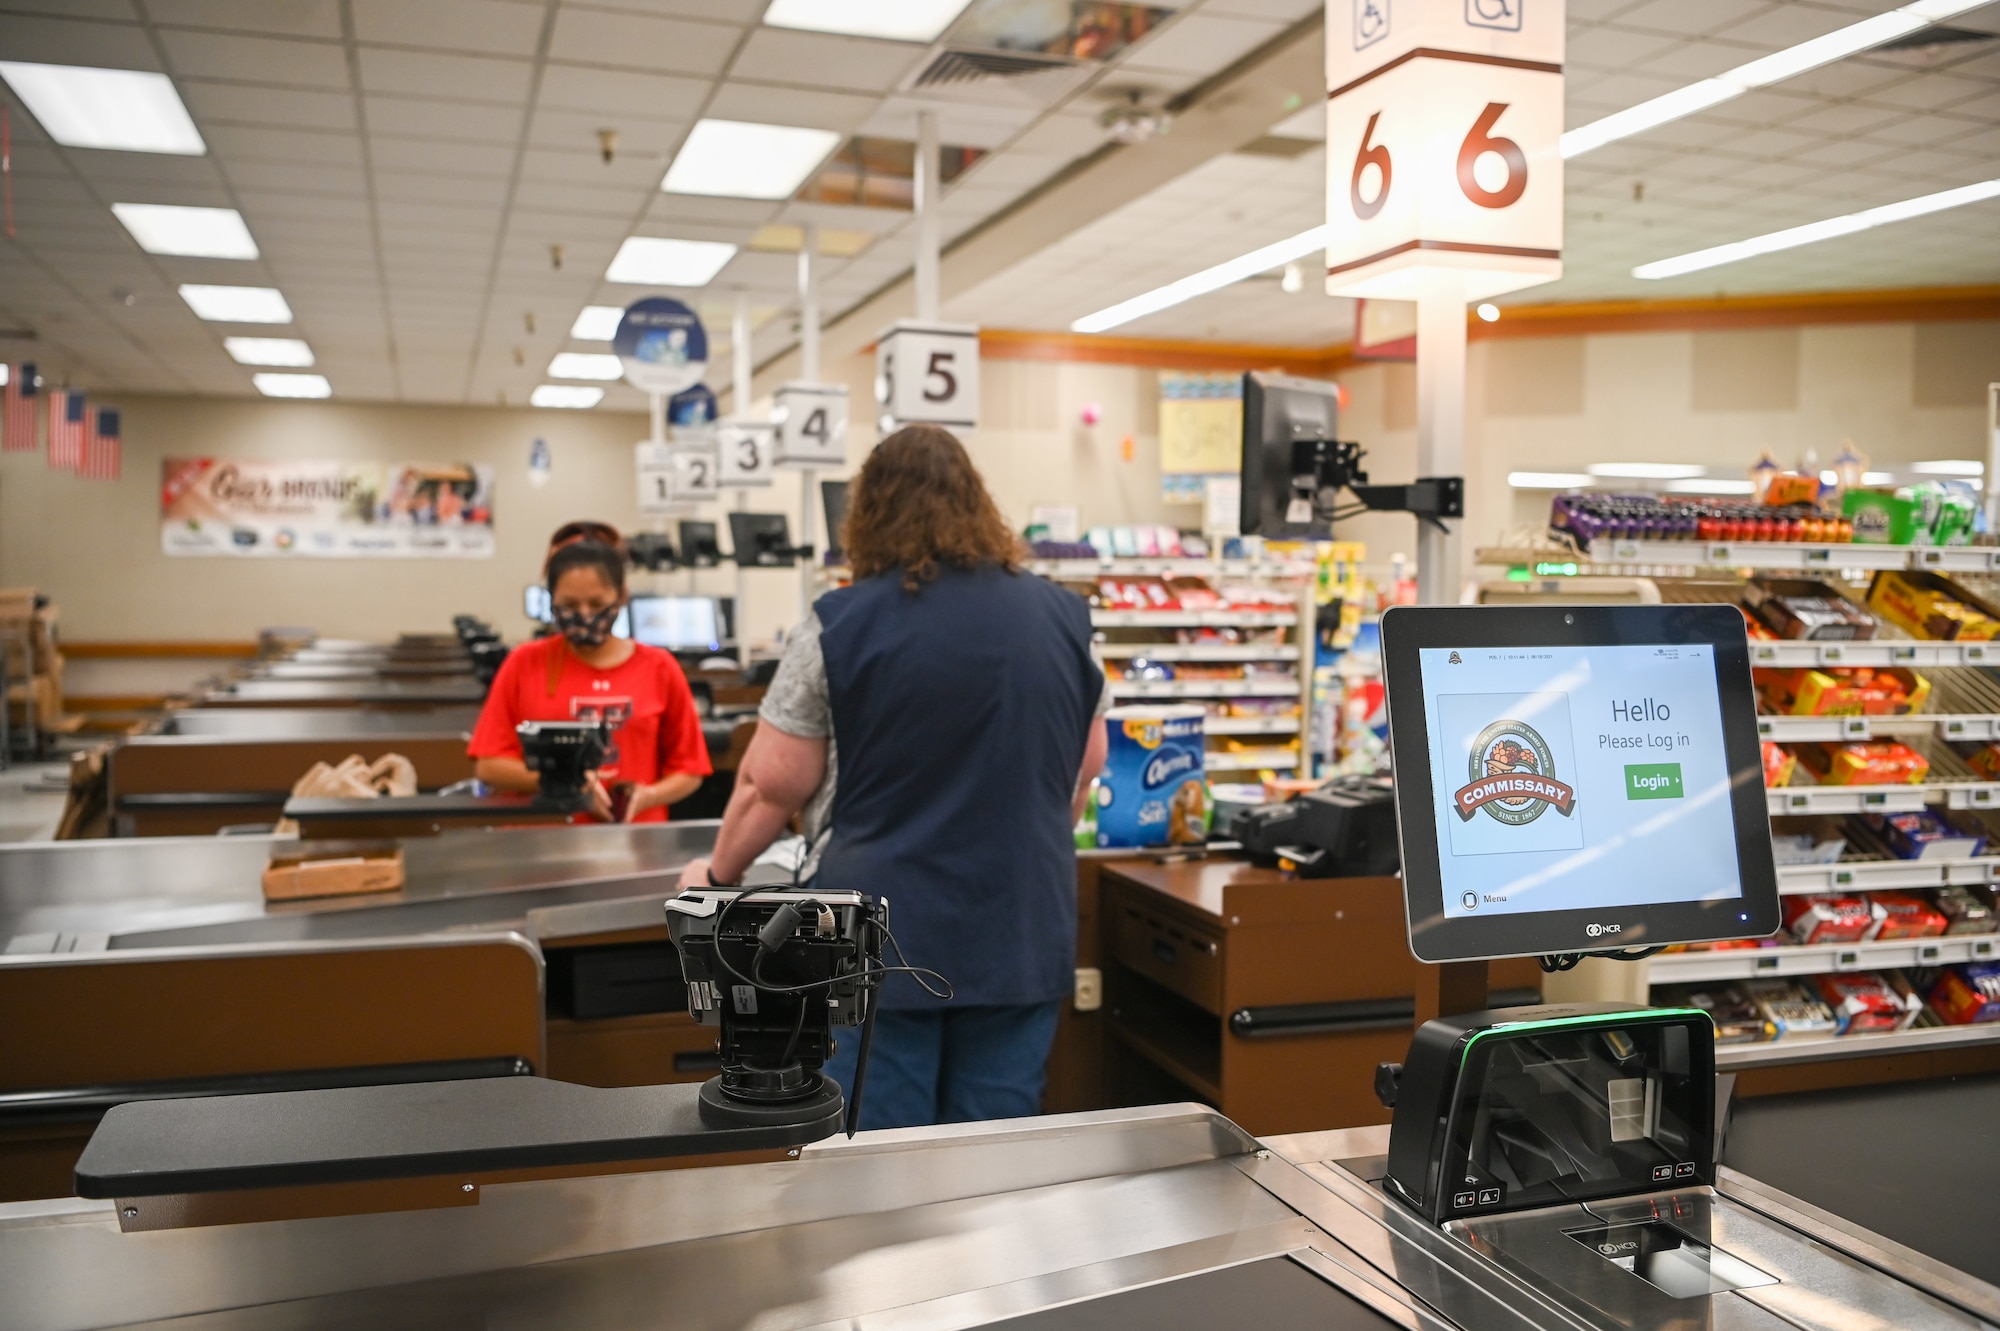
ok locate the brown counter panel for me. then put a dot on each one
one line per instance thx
(631, 1051)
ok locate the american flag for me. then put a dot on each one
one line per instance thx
(103, 451)
(67, 428)
(17, 431)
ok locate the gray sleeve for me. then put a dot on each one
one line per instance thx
(1104, 694)
(797, 701)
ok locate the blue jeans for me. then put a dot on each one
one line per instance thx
(950, 1065)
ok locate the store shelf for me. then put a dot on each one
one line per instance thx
(1753, 963)
(1945, 725)
(1277, 687)
(1758, 555)
(1789, 729)
(1882, 799)
(1251, 725)
(1160, 566)
(1815, 1048)
(1199, 651)
(1170, 619)
(1885, 875)
(1252, 760)
(1876, 652)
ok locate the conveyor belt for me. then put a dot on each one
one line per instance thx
(1915, 1162)
(1275, 1294)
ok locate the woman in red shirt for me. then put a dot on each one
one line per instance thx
(585, 674)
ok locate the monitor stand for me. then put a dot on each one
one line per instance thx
(1447, 989)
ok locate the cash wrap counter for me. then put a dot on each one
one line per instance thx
(143, 968)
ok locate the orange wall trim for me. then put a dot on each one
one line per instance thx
(1892, 305)
(126, 651)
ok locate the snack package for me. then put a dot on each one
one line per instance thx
(1789, 1008)
(1866, 1004)
(1930, 605)
(1779, 763)
(1968, 994)
(1804, 608)
(1883, 518)
(1827, 919)
(1902, 915)
(1797, 848)
(1843, 691)
(1926, 835)
(1966, 911)
(1876, 762)
(1736, 1018)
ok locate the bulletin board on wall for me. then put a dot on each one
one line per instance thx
(1201, 432)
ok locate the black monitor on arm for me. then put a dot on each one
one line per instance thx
(698, 545)
(1294, 467)
(764, 540)
(1570, 781)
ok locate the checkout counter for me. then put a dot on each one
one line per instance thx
(1568, 1167)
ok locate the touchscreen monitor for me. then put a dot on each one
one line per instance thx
(1576, 778)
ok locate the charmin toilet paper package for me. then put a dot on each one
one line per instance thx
(1154, 790)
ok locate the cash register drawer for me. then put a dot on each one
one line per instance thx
(1185, 958)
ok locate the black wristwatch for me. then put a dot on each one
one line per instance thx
(709, 873)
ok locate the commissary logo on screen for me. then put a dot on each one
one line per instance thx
(1513, 777)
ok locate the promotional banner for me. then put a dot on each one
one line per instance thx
(259, 507)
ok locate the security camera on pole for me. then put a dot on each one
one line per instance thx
(1444, 186)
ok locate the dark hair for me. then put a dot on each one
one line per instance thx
(588, 554)
(919, 502)
(584, 529)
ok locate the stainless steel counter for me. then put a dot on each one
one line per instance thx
(970, 1225)
(181, 891)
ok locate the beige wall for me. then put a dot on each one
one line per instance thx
(1900, 391)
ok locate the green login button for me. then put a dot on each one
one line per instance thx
(1653, 781)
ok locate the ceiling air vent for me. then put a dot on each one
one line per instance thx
(954, 67)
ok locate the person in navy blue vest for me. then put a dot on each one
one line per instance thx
(935, 727)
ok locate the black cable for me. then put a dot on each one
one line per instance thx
(798, 1028)
(865, 971)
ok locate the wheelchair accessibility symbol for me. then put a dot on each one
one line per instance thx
(1371, 21)
(1502, 14)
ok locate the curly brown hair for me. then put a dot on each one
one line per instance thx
(919, 502)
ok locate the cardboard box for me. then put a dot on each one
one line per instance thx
(333, 870)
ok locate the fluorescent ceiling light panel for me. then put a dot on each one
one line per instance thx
(1774, 68)
(1793, 237)
(1548, 480)
(1949, 467)
(1714, 486)
(197, 233)
(585, 365)
(571, 396)
(288, 351)
(237, 305)
(1203, 282)
(1878, 478)
(654, 261)
(597, 323)
(892, 20)
(1647, 471)
(292, 385)
(126, 109)
(739, 160)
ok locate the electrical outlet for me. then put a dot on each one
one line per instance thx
(1089, 989)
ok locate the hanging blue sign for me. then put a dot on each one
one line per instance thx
(692, 409)
(662, 345)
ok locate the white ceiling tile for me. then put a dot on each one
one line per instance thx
(670, 209)
(581, 164)
(292, 18)
(622, 202)
(420, 118)
(395, 154)
(763, 103)
(108, 169)
(214, 103)
(621, 95)
(489, 27)
(62, 41)
(659, 45)
(811, 59)
(576, 132)
(236, 143)
(116, 11)
(299, 178)
(283, 208)
(292, 62)
(1199, 44)
(431, 74)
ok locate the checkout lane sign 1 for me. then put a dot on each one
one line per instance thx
(662, 346)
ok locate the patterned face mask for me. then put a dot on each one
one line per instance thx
(585, 631)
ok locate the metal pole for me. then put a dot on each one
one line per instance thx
(809, 368)
(1440, 424)
(926, 185)
(739, 407)
(1993, 457)
(656, 406)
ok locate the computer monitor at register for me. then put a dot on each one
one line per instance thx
(1575, 779)
(678, 623)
